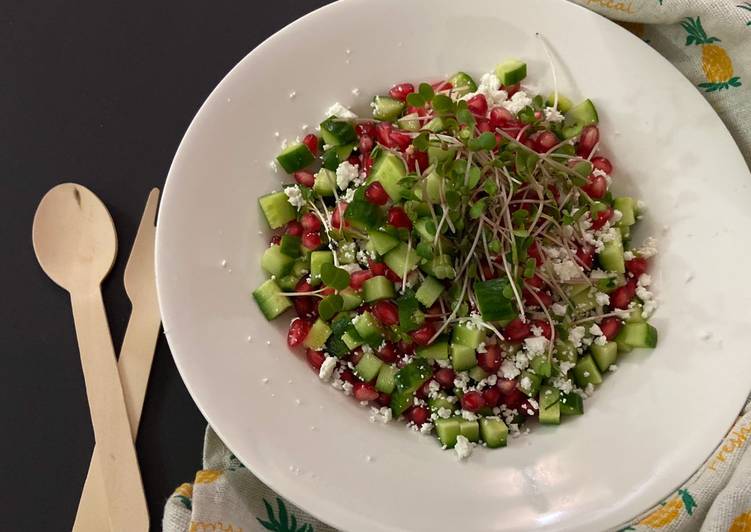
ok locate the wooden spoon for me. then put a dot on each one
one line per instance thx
(136, 356)
(75, 243)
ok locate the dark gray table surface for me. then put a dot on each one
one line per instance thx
(100, 93)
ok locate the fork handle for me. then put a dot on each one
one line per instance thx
(118, 464)
(134, 365)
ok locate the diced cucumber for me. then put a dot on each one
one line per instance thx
(270, 299)
(477, 374)
(317, 260)
(638, 335)
(611, 256)
(325, 182)
(448, 430)
(439, 267)
(295, 157)
(335, 345)
(368, 367)
(352, 299)
(330, 159)
(529, 383)
(401, 259)
(441, 400)
(274, 262)
(433, 186)
(462, 83)
(564, 104)
(550, 406)
(388, 170)
(438, 154)
(565, 351)
(604, 355)
(410, 122)
(377, 288)
(289, 245)
(363, 214)
(387, 109)
(586, 372)
(579, 116)
(494, 432)
(571, 404)
(410, 315)
(288, 282)
(406, 382)
(439, 350)
(635, 315)
(627, 207)
(317, 336)
(382, 241)
(337, 132)
(469, 429)
(367, 327)
(511, 72)
(277, 209)
(351, 339)
(541, 366)
(463, 357)
(436, 125)
(425, 227)
(492, 300)
(585, 300)
(429, 292)
(625, 231)
(385, 382)
(610, 282)
(466, 335)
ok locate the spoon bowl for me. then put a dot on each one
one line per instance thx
(74, 237)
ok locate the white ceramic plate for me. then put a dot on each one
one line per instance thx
(646, 429)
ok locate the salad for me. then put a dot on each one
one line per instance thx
(458, 260)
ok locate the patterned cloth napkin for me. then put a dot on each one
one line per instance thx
(710, 42)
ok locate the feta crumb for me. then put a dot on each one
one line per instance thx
(433, 388)
(444, 413)
(601, 340)
(327, 368)
(595, 330)
(489, 87)
(481, 348)
(649, 249)
(426, 428)
(273, 166)
(339, 111)
(613, 368)
(382, 414)
(294, 196)
(553, 115)
(628, 255)
(576, 334)
(463, 447)
(224, 263)
(356, 91)
(567, 270)
(469, 416)
(645, 279)
(558, 309)
(518, 101)
(617, 216)
(535, 330)
(349, 195)
(535, 345)
(526, 383)
(509, 369)
(602, 298)
(292, 95)
(461, 380)
(345, 174)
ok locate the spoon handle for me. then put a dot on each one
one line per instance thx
(118, 462)
(134, 365)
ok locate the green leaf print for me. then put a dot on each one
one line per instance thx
(747, 7)
(688, 501)
(284, 522)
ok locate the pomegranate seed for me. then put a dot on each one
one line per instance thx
(527, 407)
(310, 222)
(483, 125)
(506, 386)
(490, 361)
(529, 143)
(311, 141)
(534, 252)
(383, 133)
(356, 279)
(636, 266)
(384, 399)
(423, 335)
(602, 218)
(499, 117)
(418, 415)
(419, 111)
(417, 159)
(378, 268)
(488, 272)
(400, 140)
(516, 330)
(298, 330)
(305, 178)
(546, 141)
(401, 91)
(387, 353)
(365, 144)
(305, 306)
(386, 312)
(423, 391)
(441, 86)
(589, 137)
(602, 164)
(405, 347)
(315, 358)
(366, 163)
(621, 297)
(478, 105)
(512, 89)
(356, 355)
(294, 228)
(364, 391)
(472, 401)
(596, 186)
(398, 218)
(392, 276)
(365, 128)
(536, 282)
(547, 332)
(514, 399)
(275, 240)
(376, 194)
(312, 241)
(354, 160)
(336, 215)
(538, 115)
(610, 327)
(492, 397)
(445, 377)
(347, 376)
(536, 298)
(585, 255)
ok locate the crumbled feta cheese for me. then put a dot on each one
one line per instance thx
(356, 91)
(617, 216)
(463, 447)
(489, 87)
(509, 369)
(535, 345)
(347, 388)
(521, 359)
(426, 428)
(345, 174)
(444, 413)
(461, 380)
(443, 363)
(576, 334)
(553, 115)
(380, 414)
(518, 101)
(613, 368)
(339, 111)
(351, 268)
(535, 330)
(567, 270)
(327, 368)
(349, 195)
(645, 280)
(558, 309)
(595, 330)
(565, 367)
(469, 416)
(433, 388)
(599, 173)
(602, 298)
(362, 258)
(628, 255)
(526, 383)
(273, 166)
(481, 348)
(563, 384)
(294, 196)
(649, 249)
(601, 340)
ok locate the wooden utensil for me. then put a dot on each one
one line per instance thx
(75, 243)
(136, 355)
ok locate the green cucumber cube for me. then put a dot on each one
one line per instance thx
(325, 182)
(401, 259)
(541, 366)
(492, 300)
(441, 400)
(627, 206)
(565, 351)
(382, 241)
(564, 104)
(550, 406)
(367, 327)
(578, 117)
(276, 263)
(571, 404)
(385, 382)
(604, 355)
(638, 335)
(469, 429)
(611, 256)
(387, 109)
(290, 246)
(317, 260)
(429, 292)
(351, 299)
(277, 209)
(466, 335)
(317, 336)
(511, 72)
(462, 83)
(337, 132)
(351, 339)
(586, 372)
(439, 350)
(463, 357)
(368, 367)
(529, 383)
(448, 430)
(389, 170)
(494, 432)
(410, 315)
(477, 374)
(377, 288)
(270, 300)
(295, 157)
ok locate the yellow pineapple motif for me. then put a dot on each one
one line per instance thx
(207, 476)
(742, 523)
(717, 66)
(670, 511)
